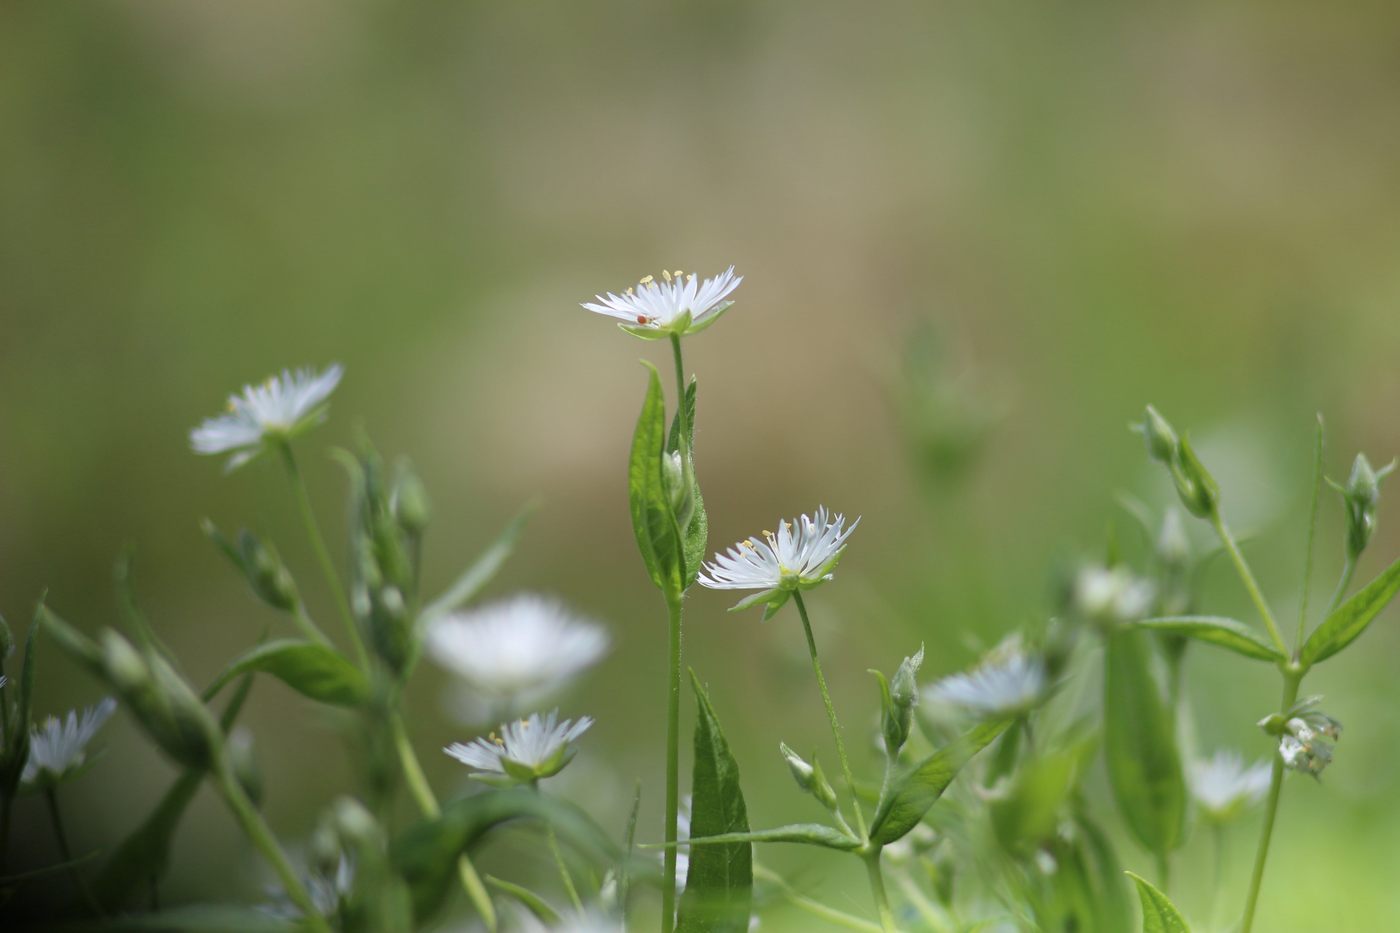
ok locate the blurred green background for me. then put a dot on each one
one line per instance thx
(1091, 207)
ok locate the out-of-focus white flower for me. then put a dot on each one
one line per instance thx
(1224, 785)
(282, 408)
(803, 554)
(517, 651)
(677, 304)
(58, 748)
(1112, 595)
(525, 750)
(1008, 681)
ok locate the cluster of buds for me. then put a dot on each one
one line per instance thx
(1306, 736)
(898, 697)
(1195, 486)
(1361, 494)
(388, 518)
(809, 777)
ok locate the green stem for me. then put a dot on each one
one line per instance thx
(1312, 534)
(1348, 569)
(422, 793)
(830, 713)
(1218, 837)
(814, 907)
(877, 888)
(308, 627)
(263, 840)
(1164, 872)
(1247, 577)
(1291, 682)
(563, 867)
(79, 882)
(673, 766)
(323, 556)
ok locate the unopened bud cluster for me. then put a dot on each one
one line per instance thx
(1361, 495)
(1196, 488)
(900, 697)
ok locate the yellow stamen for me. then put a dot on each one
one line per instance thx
(647, 280)
(665, 275)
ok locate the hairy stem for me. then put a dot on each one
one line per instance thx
(1247, 577)
(673, 765)
(422, 794)
(830, 713)
(1291, 682)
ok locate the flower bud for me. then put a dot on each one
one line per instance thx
(269, 577)
(412, 507)
(355, 825)
(1173, 546)
(678, 488)
(391, 627)
(1361, 496)
(1195, 486)
(809, 777)
(1158, 434)
(801, 771)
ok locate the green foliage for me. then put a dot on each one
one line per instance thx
(313, 670)
(697, 530)
(719, 883)
(474, 579)
(911, 794)
(653, 522)
(1220, 631)
(1350, 619)
(1158, 914)
(1144, 765)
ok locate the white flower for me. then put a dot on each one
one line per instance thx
(801, 555)
(679, 303)
(525, 750)
(281, 408)
(1112, 595)
(1223, 784)
(57, 748)
(517, 650)
(1008, 681)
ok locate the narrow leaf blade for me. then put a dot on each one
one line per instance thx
(474, 578)
(914, 792)
(653, 523)
(1158, 913)
(313, 670)
(1220, 631)
(1344, 625)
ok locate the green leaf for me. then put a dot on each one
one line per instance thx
(532, 902)
(1220, 631)
(1350, 619)
(313, 670)
(719, 884)
(654, 524)
(809, 834)
(1111, 898)
(1158, 914)
(911, 794)
(697, 534)
(1144, 765)
(629, 838)
(1028, 813)
(17, 752)
(470, 583)
(425, 854)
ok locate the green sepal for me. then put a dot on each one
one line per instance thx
(645, 333)
(709, 319)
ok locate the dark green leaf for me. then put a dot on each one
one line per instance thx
(313, 670)
(1144, 765)
(719, 884)
(653, 522)
(811, 834)
(470, 583)
(1220, 631)
(912, 793)
(1350, 619)
(1158, 914)
(426, 853)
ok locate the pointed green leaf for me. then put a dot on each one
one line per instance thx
(916, 790)
(1350, 619)
(1158, 914)
(696, 535)
(1220, 631)
(470, 583)
(653, 522)
(719, 883)
(1112, 908)
(809, 834)
(313, 670)
(1144, 765)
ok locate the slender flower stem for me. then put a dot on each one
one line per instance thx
(1348, 569)
(830, 713)
(51, 798)
(1312, 535)
(814, 907)
(308, 627)
(1218, 874)
(323, 556)
(877, 888)
(1247, 577)
(673, 766)
(262, 838)
(563, 867)
(1291, 681)
(1164, 872)
(423, 795)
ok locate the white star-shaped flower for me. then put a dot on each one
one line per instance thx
(1224, 785)
(677, 304)
(281, 408)
(1009, 681)
(525, 750)
(57, 748)
(803, 554)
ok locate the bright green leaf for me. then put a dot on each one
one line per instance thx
(1158, 914)
(719, 884)
(1220, 631)
(313, 670)
(1350, 619)
(1144, 765)
(653, 522)
(911, 794)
